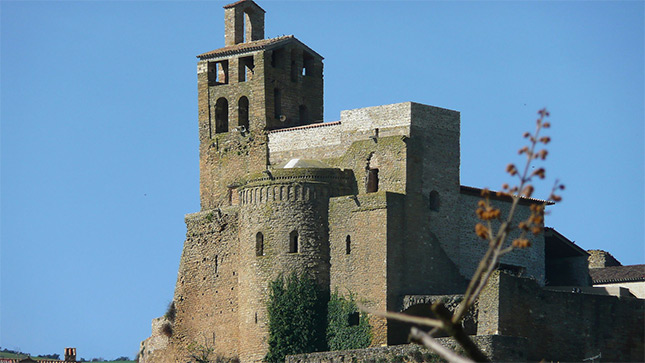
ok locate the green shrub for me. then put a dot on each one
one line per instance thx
(166, 329)
(347, 328)
(297, 310)
(171, 312)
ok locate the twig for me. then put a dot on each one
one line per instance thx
(431, 343)
(402, 317)
(457, 331)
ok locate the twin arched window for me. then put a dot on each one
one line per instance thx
(293, 243)
(221, 114)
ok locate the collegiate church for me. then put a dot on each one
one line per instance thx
(371, 204)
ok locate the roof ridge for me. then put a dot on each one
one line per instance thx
(246, 46)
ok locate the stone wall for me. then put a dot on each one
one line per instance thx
(574, 326)
(473, 248)
(567, 271)
(354, 125)
(362, 269)
(206, 296)
(496, 347)
(432, 172)
(226, 157)
(600, 259)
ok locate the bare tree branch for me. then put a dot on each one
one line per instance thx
(402, 317)
(431, 343)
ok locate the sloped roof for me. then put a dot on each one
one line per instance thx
(493, 195)
(261, 44)
(557, 245)
(613, 274)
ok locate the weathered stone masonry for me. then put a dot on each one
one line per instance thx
(371, 204)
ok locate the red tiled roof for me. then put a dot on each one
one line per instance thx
(245, 47)
(612, 274)
(255, 45)
(321, 124)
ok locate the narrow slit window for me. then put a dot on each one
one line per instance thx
(277, 102)
(293, 68)
(278, 58)
(243, 113)
(303, 114)
(348, 245)
(372, 180)
(308, 65)
(435, 203)
(259, 244)
(293, 242)
(221, 115)
(353, 319)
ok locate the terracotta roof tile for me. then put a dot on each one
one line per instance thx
(245, 47)
(617, 274)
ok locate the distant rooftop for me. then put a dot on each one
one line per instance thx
(614, 274)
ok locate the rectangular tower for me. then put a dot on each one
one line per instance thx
(250, 86)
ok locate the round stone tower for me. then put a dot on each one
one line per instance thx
(283, 229)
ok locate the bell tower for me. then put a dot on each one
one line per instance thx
(244, 21)
(250, 86)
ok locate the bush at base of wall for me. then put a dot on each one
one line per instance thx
(347, 328)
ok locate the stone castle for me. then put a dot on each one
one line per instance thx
(370, 204)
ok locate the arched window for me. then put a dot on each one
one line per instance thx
(221, 115)
(259, 244)
(372, 180)
(277, 102)
(304, 114)
(348, 245)
(435, 203)
(294, 66)
(293, 242)
(243, 112)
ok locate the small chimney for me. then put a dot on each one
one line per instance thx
(70, 354)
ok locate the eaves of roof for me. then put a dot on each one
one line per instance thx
(263, 44)
(551, 232)
(615, 274)
(493, 195)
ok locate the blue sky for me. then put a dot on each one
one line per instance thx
(99, 132)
